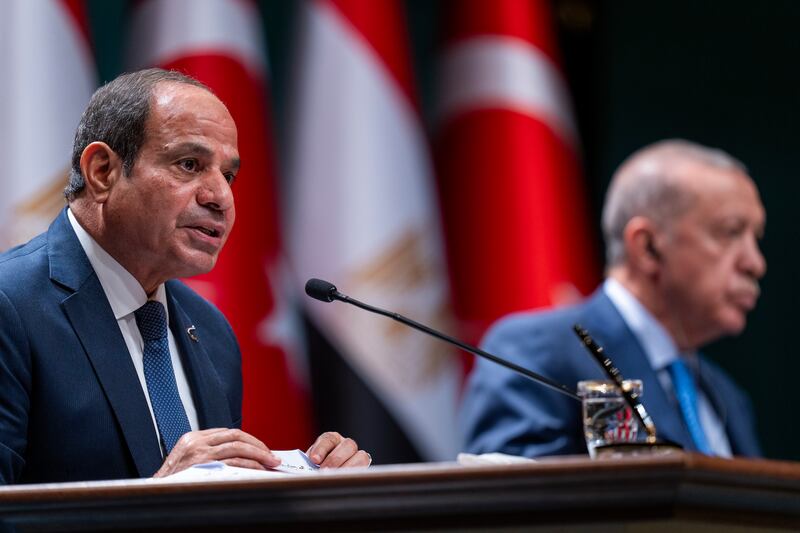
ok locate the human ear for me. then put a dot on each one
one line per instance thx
(652, 250)
(641, 238)
(101, 168)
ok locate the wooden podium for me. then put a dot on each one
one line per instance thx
(685, 491)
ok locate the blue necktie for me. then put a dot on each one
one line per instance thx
(159, 376)
(686, 392)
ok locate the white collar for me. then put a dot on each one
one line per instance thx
(123, 291)
(657, 344)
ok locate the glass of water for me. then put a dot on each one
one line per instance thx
(607, 419)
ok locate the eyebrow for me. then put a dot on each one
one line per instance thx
(189, 147)
(195, 148)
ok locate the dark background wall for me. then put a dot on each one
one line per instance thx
(722, 73)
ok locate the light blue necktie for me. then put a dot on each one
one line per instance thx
(159, 375)
(686, 392)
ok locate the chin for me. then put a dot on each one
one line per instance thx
(197, 266)
(204, 268)
(734, 325)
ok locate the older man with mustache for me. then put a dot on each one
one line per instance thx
(682, 224)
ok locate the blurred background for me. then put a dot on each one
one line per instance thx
(447, 160)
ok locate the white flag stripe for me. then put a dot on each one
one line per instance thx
(359, 127)
(364, 215)
(504, 72)
(205, 25)
(48, 78)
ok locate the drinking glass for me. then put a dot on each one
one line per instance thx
(607, 419)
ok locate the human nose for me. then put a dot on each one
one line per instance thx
(752, 260)
(215, 192)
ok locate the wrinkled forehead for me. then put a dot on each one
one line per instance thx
(715, 183)
(715, 192)
(174, 97)
(184, 108)
(165, 91)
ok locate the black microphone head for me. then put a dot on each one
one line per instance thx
(321, 290)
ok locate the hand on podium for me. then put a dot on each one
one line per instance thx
(230, 446)
(238, 448)
(331, 450)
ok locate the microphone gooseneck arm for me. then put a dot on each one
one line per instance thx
(630, 397)
(326, 292)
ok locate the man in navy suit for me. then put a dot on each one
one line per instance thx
(109, 368)
(682, 225)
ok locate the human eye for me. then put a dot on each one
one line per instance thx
(734, 230)
(229, 177)
(730, 230)
(189, 164)
(738, 229)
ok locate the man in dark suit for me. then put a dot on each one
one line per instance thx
(109, 368)
(682, 224)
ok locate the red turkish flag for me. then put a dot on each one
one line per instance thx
(220, 43)
(517, 224)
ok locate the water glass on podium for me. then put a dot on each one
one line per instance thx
(607, 419)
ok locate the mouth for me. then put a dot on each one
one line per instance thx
(207, 235)
(210, 231)
(746, 300)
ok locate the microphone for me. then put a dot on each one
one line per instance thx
(631, 398)
(325, 291)
(321, 290)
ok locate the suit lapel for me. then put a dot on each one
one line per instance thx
(607, 326)
(207, 390)
(90, 315)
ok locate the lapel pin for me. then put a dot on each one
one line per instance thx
(191, 331)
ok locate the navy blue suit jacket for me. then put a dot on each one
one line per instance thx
(504, 412)
(71, 405)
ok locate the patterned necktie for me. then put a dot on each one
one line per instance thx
(159, 376)
(686, 392)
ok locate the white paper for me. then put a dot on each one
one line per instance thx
(469, 459)
(292, 462)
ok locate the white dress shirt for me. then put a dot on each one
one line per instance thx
(661, 351)
(126, 295)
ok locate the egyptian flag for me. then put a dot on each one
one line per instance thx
(48, 77)
(364, 215)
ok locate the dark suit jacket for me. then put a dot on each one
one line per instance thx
(504, 412)
(71, 404)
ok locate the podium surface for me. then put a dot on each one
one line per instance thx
(662, 493)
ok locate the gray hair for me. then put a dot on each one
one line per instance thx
(646, 185)
(116, 115)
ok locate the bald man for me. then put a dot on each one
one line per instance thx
(682, 224)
